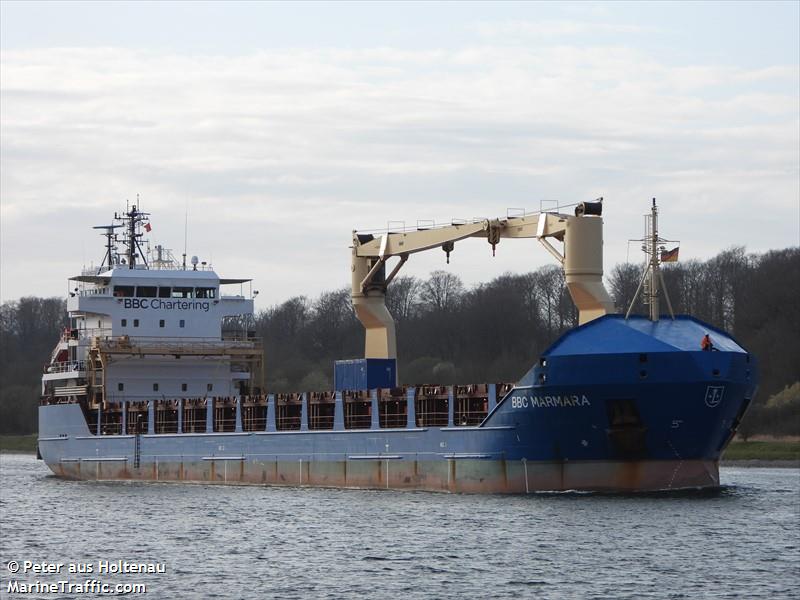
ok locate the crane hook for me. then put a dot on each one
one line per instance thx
(448, 248)
(493, 237)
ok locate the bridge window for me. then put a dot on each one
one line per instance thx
(182, 323)
(123, 291)
(155, 387)
(120, 387)
(182, 292)
(209, 387)
(136, 322)
(205, 293)
(184, 387)
(124, 322)
(161, 323)
(146, 291)
(164, 292)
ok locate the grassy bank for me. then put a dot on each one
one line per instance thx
(762, 450)
(18, 443)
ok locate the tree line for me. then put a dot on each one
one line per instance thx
(492, 332)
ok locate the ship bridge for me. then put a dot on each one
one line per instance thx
(142, 325)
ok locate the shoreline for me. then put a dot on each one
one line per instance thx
(761, 463)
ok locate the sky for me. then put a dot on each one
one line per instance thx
(278, 128)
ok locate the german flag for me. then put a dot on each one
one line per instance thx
(669, 255)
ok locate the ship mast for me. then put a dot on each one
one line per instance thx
(652, 276)
(132, 219)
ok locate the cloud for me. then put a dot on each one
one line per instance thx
(556, 28)
(280, 154)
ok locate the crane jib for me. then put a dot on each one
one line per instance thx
(581, 259)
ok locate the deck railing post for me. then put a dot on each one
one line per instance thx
(450, 402)
(209, 415)
(151, 417)
(492, 396)
(271, 413)
(99, 419)
(375, 421)
(124, 426)
(338, 412)
(238, 414)
(304, 412)
(411, 415)
(180, 415)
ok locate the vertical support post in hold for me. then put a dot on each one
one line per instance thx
(99, 429)
(151, 417)
(238, 414)
(209, 415)
(375, 422)
(492, 396)
(450, 402)
(304, 413)
(271, 413)
(180, 415)
(338, 412)
(124, 425)
(411, 414)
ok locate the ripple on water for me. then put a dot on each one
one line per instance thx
(739, 541)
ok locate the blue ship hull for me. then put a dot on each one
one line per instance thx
(614, 405)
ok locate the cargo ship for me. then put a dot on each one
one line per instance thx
(159, 377)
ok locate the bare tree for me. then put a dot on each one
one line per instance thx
(442, 291)
(332, 317)
(623, 282)
(401, 297)
(285, 321)
(550, 280)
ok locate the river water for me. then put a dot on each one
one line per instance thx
(257, 542)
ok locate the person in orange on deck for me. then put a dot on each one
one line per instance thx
(706, 344)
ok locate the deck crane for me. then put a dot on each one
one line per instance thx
(581, 259)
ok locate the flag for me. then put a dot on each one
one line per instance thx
(148, 227)
(669, 255)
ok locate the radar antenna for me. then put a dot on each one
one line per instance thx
(111, 248)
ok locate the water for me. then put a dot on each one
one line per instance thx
(257, 542)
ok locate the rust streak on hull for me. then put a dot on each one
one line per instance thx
(455, 476)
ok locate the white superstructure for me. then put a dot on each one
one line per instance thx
(143, 327)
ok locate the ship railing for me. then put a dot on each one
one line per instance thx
(66, 366)
(545, 207)
(196, 343)
(90, 332)
(91, 292)
(94, 269)
(239, 336)
(432, 405)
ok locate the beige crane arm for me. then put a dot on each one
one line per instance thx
(582, 261)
